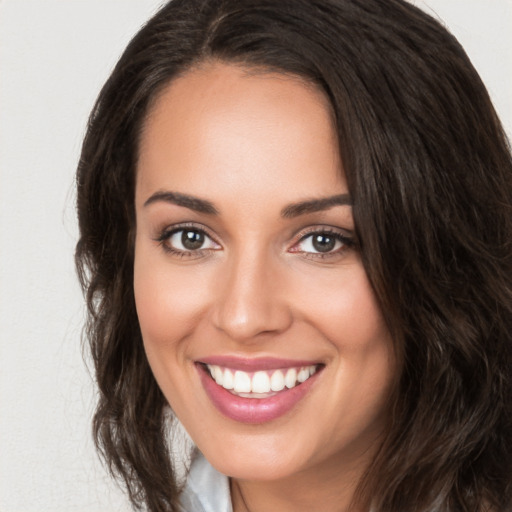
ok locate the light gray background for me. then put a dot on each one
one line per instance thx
(54, 57)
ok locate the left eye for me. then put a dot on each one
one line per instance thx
(187, 240)
(321, 243)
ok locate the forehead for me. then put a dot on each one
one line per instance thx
(221, 126)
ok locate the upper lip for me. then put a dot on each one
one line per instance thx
(249, 364)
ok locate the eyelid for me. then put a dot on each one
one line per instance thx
(167, 232)
(323, 228)
(180, 226)
(346, 237)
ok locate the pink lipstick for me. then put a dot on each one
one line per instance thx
(258, 390)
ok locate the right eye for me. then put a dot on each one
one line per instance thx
(187, 241)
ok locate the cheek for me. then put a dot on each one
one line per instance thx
(168, 306)
(343, 306)
(167, 297)
(347, 314)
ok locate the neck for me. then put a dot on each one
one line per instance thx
(332, 487)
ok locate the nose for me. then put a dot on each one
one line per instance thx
(251, 300)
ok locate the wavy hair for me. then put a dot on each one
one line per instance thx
(430, 173)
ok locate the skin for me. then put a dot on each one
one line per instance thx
(251, 143)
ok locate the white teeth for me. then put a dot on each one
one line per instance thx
(217, 375)
(260, 382)
(277, 381)
(242, 382)
(290, 378)
(229, 380)
(303, 374)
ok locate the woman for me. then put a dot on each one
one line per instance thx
(295, 231)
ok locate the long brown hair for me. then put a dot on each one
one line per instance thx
(430, 172)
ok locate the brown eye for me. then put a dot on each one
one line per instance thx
(323, 242)
(187, 241)
(192, 240)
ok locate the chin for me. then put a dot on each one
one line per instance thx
(262, 469)
(257, 457)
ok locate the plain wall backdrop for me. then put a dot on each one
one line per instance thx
(54, 57)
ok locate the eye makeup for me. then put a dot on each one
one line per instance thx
(189, 240)
(323, 242)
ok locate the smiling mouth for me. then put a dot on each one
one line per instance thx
(260, 384)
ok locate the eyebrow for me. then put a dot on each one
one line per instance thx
(190, 202)
(315, 205)
(288, 212)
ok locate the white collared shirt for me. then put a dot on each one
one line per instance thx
(206, 490)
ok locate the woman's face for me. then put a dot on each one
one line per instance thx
(247, 272)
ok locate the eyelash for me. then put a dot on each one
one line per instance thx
(164, 238)
(346, 242)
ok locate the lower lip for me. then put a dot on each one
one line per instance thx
(253, 410)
